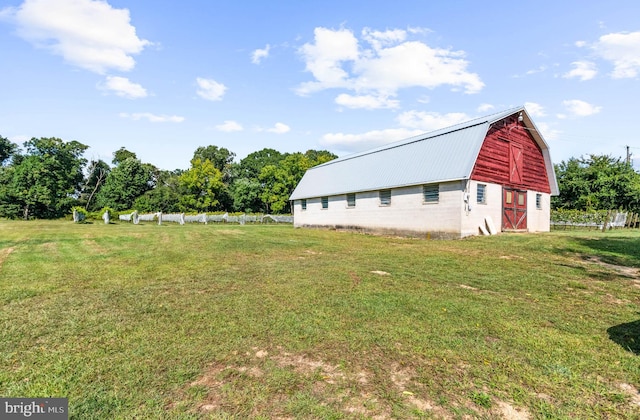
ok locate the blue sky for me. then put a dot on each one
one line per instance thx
(162, 78)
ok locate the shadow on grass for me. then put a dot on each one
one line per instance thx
(618, 251)
(626, 335)
(623, 251)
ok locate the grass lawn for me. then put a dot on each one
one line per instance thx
(273, 322)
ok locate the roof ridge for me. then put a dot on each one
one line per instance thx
(426, 135)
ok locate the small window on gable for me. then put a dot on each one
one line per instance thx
(325, 202)
(431, 193)
(303, 203)
(482, 194)
(351, 200)
(385, 197)
(539, 201)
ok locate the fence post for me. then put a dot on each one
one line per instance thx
(606, 221)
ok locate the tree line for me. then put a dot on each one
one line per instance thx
(47, 177)
(597, 182)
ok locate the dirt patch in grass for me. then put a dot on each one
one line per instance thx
(210, 380)
(93, 247)
(51, 247)
(352, 393)
(630, 272)
(508, 412)
(4, 253)
(609, 298)
(302, 364)
(230, 232)
(632, 392)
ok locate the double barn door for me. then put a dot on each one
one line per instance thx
(514, 209)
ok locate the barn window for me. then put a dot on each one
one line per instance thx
(482, 194)
(431, 193)
(385, 197)
(325, 202)
(539, 201)
(303, 203)
(351, 200)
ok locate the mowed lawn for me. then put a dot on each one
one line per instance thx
(229, 321)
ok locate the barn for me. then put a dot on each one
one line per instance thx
(488, 175)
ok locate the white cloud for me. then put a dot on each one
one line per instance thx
(337, 59)
(623, 50)
(547, 132)
(88, 34)
(152, 117)
(365, 141)
(210, 90)
(379, 39)
(324, 59)
(412, 64)
(580, 108)
(583, 70)
(229, 126)
(539, 69)
(259, 54)
(418, 31)
(535, 109)
(429, 121)
(485, 108)
(366, 101)
(279, 128)
(122, 86)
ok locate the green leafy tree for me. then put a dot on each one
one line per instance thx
(246, 195)
(279, 180)
(125, 183)
(121, 155)
(201, 186)
(97, 173)
(222, 160)
(252, 164)
(7, 149)
(598, 182)
(45, 181)
(165, 197)
(220, 157)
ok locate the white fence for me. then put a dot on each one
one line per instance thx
(181, 218)
(592, 220)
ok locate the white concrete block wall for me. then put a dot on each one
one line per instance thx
(407, 211)
(492, 207)
(538, 219)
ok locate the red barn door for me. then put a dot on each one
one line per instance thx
(514, 209)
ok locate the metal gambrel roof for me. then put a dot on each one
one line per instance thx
(443, 155)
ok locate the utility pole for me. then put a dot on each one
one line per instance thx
(628, 156)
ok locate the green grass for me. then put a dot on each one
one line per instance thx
(247, 321)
